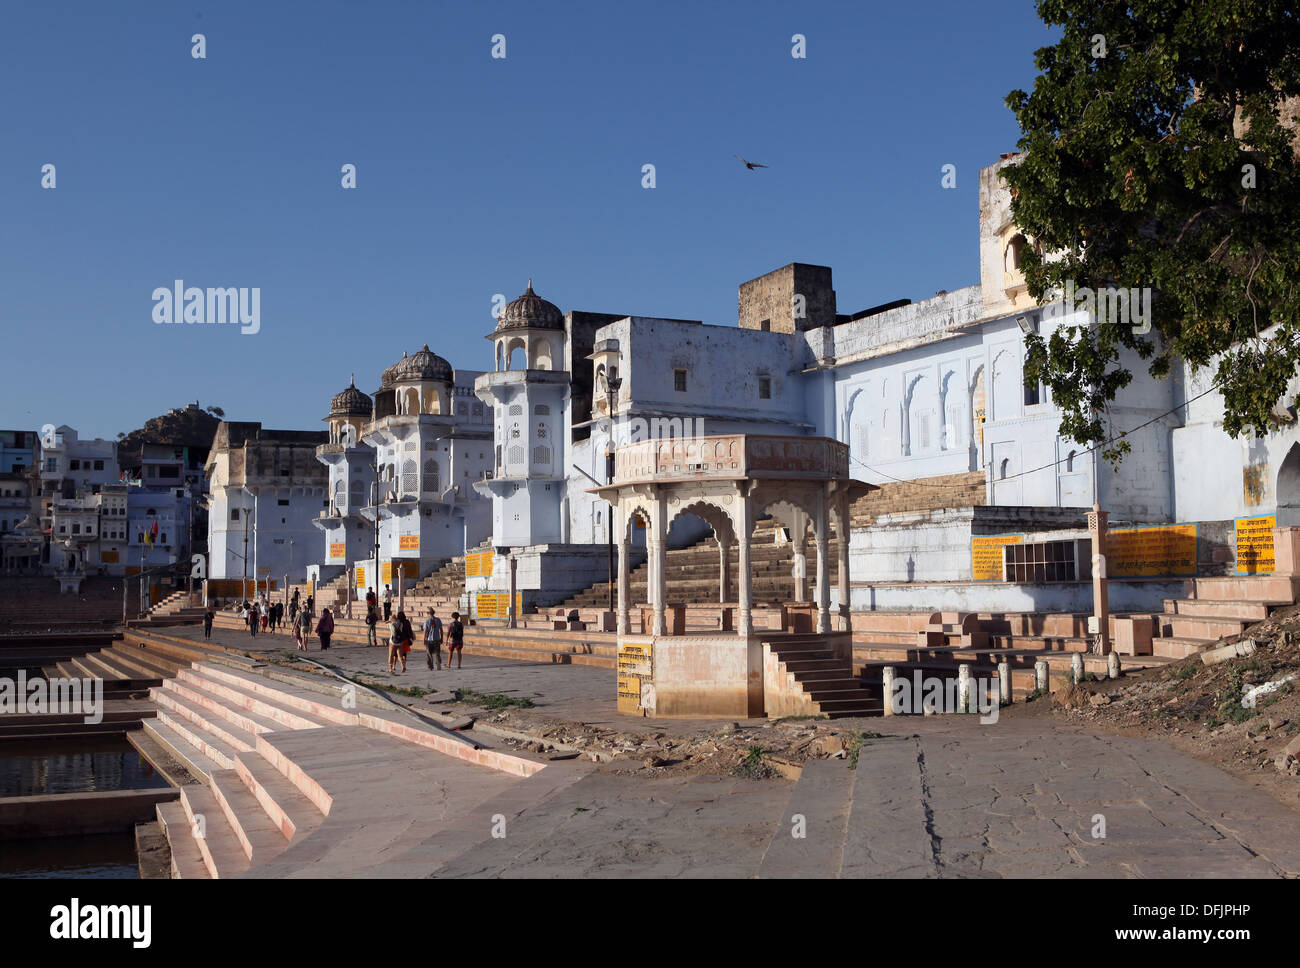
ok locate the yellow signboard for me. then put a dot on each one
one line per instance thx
(1255, 545)
(497, 604)
(409, 542)
(338, 549)
(478, 565)
(986, 555)
(635, 664)
(108, 557)
(387, 572)
(361, 577)
(1151, 552)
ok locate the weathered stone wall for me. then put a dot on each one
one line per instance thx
(771, 297)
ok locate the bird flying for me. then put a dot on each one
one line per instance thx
(751, 165)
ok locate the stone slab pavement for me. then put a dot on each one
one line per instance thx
(944, 801)
(935, 797)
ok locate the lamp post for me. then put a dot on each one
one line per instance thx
(612, 385)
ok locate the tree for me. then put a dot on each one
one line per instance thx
(1159, 152)
(217, 412)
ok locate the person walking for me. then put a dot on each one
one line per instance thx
(253, 619)
(370, 597)
(208, 615)
(433, 640)
(395, 634)
(311, 604)
(325, 628)
(302, 629)
(372, 619)
(388, 602)
(455, 640)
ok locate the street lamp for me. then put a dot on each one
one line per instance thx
(611, 387)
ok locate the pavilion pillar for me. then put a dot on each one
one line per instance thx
(821, 526)
(842, 556)
(799, 570)
(744, 613)
(724, 567)
(657, 543)
(623, 573)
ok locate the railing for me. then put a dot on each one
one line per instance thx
(732, 456)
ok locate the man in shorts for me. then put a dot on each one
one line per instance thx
(433, 639)
(455, 640)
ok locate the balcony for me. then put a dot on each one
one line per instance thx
(732, 457)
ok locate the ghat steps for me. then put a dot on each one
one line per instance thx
(285, 781)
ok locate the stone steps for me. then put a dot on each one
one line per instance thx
(273, 760)
(1229, 608)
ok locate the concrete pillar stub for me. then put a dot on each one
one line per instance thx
(1076, 668)
(887, 679)
(1042, 679)
(1112, 665)
(1004, 683)
(963, 687)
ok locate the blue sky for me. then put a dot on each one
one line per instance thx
(473, 174)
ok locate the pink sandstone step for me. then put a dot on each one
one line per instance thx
(258, 835)
(295, 708)
(194, 693)
(214, 694)
(1177, 648)
(187, 859)
(1248, 610)
(222, 853)
(1199, 627)
(1280, 588)
(196, 717)
(144, 665)
(291, 812)
(195, 761)
(207, 743)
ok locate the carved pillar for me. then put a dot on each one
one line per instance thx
(724, 566)
(658, 544)
(821, 526)
(623, 571)
(799, 567)
(842, 536)
(744, 616)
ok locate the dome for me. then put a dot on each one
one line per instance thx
(350, 403)
(389, 375)
(530, 311)
(424, 365)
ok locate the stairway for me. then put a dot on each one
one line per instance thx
(268, 764)
(817, 682)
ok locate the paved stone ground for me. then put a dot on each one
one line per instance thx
(935, 797)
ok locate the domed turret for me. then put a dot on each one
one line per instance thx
(351, 402)
(530, 311)
(424, 365)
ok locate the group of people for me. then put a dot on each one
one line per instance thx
(401, 635)
(269, 616)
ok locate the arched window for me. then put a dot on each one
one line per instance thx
(340, 493)
(430, 476)
(1069, 461)
(410, 481)
(1004, 468)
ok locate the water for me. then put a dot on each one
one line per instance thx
(74, 765)
(94, 856)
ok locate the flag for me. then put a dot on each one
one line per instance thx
(151, 535)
